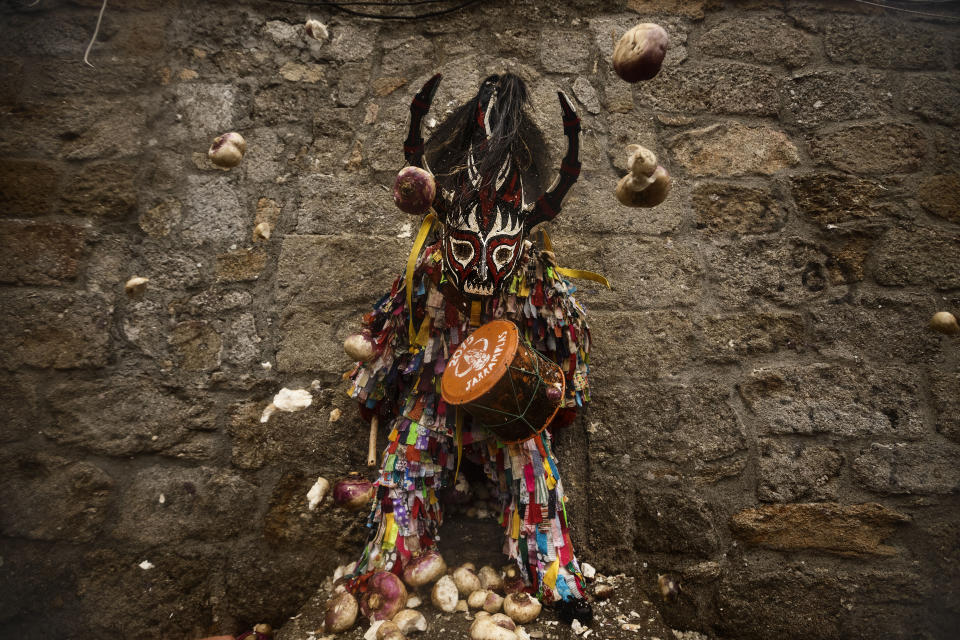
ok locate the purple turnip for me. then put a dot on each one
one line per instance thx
(414, 190)
(640, 51)
(385, 596)
(353, 493)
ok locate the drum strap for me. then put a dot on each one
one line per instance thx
(459, 436)
(421, 239)
(580, 274)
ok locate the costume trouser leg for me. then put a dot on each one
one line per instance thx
(534, 517)
(407, 514)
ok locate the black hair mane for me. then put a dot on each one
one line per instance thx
(512, 133)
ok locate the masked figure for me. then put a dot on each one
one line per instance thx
(489, 161)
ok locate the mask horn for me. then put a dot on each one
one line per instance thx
(548, 205)
(413, 145)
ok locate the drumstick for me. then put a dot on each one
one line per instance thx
(372, 449)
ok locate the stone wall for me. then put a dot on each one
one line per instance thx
(772, 423)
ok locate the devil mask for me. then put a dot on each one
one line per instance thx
(488, 159)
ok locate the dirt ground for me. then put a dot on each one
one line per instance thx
(626, 615)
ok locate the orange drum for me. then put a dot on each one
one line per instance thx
(505, 385)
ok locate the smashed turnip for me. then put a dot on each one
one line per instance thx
(385, 628)
(353, 493)
(135, 286)
(650, 196)
(414, 190)
(424, 569)
(466, 580)
(490, 578)
(640, 51)
(227, 150)
(521, 607)
(385, 596)
(444, 594)
(359, 347)
(410, 621)
(317, 493)
(341, 613)
(486, 627)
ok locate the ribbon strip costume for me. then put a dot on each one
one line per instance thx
(488, 158)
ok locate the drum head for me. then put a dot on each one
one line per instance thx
(479, 362)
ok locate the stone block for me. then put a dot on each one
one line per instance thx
(732, 337)
(304, 439)
(908, 468)
(642, 344)
(841, 401)
(332, 203)
(793, 472)
(884, 42)
(591, 207)
(382, 150)
(801, 602)
(103, 189)
(27, 187)
(43, 253)
(788, 271)
(823, 97)
(57, 330)
(676, 522)
(945, 388)
(652, 273)
(124, 416)
(274, 104)
(734, 209)
(322, 271)
(213, 213)
(733, 149)
(940, 195)
(242, 265)
(197, 344)
(11, 81)
(688, 425)
(208, 110)
(172, 269)
(18, 402)
(842, 529)
(39, 485)
(241, 342)
(918, 256)
(831, 199)
(760, 39)
(870, 148)
(115, 75)
(933, 97)
(89, 129)
(351, 42)
(199, 503)
(160, 220)
(693, 9)
(849, 330)
(311, 337)
(114, 592)
(565, 51)
(713, 87)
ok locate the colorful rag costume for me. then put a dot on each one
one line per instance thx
(480, 268)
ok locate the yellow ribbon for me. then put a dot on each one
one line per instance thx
(580, 274)
(421, 239)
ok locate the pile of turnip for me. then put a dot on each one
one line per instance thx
(495, 597)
